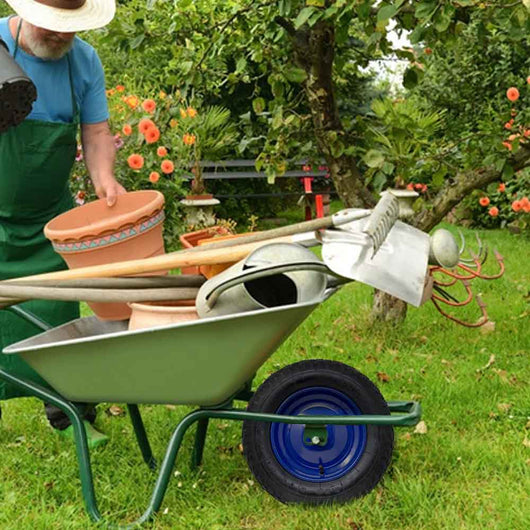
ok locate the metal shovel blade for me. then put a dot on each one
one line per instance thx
(399, 267)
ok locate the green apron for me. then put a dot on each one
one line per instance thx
(36, 158)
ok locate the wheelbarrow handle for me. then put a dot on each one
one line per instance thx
(263, 272)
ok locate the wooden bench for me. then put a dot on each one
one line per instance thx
(317, 200)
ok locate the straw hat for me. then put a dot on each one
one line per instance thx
(65, 15)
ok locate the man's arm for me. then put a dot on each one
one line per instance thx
(100, 153)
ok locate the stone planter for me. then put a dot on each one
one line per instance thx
(199, 210)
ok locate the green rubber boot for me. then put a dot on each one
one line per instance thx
(94, 437)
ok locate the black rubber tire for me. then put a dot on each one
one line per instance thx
(260, 456)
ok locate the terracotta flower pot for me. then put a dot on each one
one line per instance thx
(212, 270)
(95, 234)
(191, 239)
(148, 315)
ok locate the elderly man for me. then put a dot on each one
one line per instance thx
(36, 157)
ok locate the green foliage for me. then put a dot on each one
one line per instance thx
(398, 132)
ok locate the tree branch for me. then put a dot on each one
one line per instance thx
(453, 192)
(287, 25)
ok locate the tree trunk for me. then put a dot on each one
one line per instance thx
(314, 51)
(387, 308)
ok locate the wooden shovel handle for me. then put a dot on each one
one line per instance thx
(173, 260)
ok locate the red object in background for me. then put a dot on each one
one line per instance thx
(319, 206)
(307, 184)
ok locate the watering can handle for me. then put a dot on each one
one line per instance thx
(262, 272)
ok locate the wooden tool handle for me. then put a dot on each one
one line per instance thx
(181, 258)
(14, 295)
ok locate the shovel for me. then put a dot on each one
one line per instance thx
(398, 267)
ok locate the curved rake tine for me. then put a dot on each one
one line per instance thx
(486, 253)
(455, 302)
(500, 260)
(476, 324)
(437, 268)
(478, 266)
(459, 276)
(445, 284)
(463, 242)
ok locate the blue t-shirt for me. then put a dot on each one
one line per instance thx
(54, 101)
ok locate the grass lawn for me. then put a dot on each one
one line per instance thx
(470, 470)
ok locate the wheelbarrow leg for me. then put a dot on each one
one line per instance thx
(80, 438)
(141, 436)
(200, 438)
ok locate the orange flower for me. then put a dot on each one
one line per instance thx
(517, 206)
(167, 166)
(149, 106)
(502, 187)
(526, 133)
(110, 92)
(120, 88)
(410, 186)
(183, 113)
(132, 101)
(161, 151)
(173, 123)
(512, 94)
(528, 79)
(145, 124)
(493, 211)
(189, 139)
(126, 130)
(484, 201)
(508, 145)
(136, 161)
(152, 135)
(154, 176)
(508, 125)
(525, 203)
(191, 112)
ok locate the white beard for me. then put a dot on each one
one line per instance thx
(42, 49)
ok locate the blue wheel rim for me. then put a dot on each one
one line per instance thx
(314, 463)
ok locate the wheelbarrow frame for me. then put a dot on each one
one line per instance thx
(404, 413)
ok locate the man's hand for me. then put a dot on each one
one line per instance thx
(109, 189)
(100, 153)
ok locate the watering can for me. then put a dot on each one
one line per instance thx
(271, 276)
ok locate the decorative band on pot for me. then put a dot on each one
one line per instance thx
(110, 239)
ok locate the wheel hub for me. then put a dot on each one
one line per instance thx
(318, 453)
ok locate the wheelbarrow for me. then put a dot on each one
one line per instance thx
(314, 432)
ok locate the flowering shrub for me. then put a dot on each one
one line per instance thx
(160, 142)
(503, 204)
(507, 203)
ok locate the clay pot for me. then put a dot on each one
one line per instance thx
(96, 234)
(191, 239)
(151, 314)
(212, 270)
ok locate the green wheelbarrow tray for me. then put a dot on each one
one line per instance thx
(203, 362)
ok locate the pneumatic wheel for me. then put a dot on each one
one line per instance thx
(331, 464)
